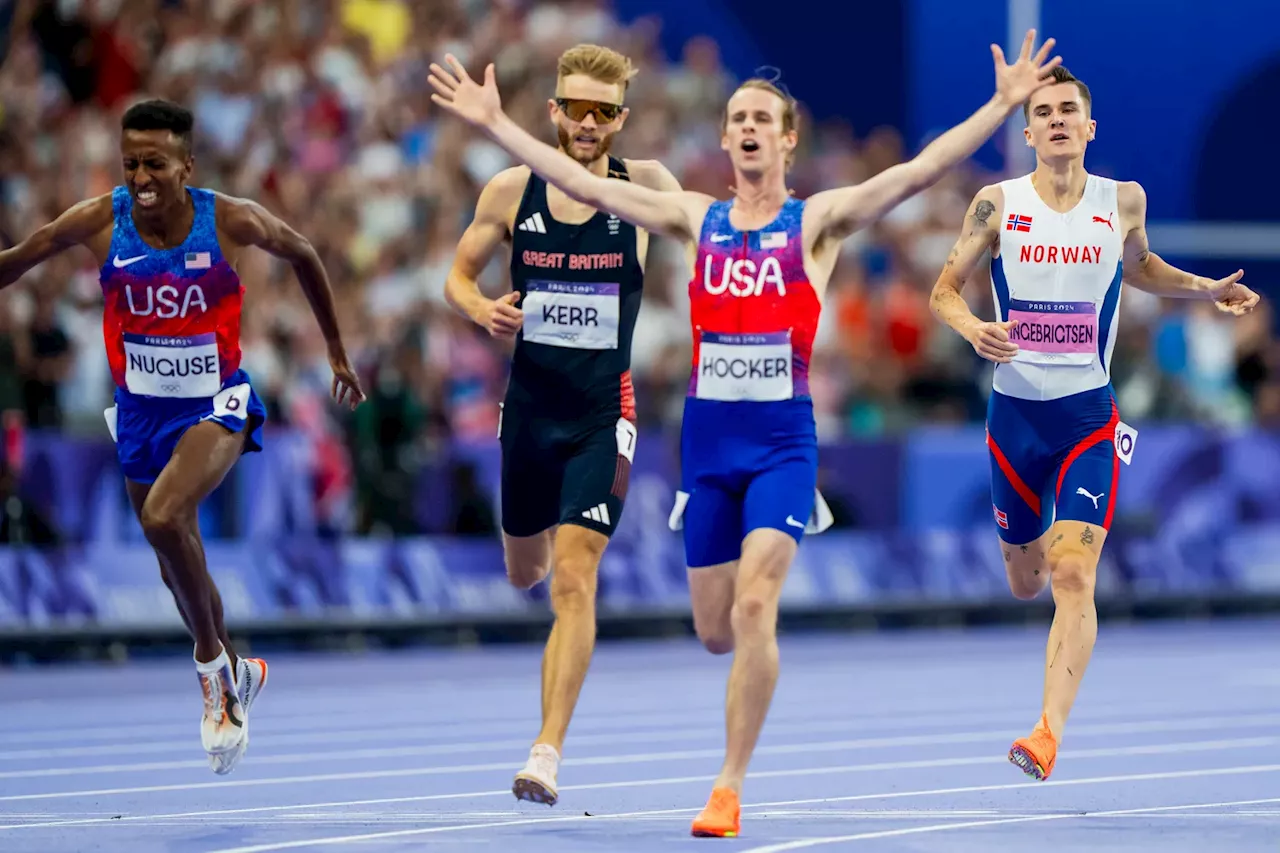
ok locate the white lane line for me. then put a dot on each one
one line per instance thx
(924, 764)
(662, 728)
(800, 844)
(404, 833)
(894, 742)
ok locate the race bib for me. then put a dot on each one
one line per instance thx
(1126, 437)
(744, 367)
(1054, 332)
(159, 366)
(573, 315)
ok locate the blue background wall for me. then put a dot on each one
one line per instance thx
(1161, 99)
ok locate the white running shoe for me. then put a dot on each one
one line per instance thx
(536, 783)
(222, 725)
(251, 678)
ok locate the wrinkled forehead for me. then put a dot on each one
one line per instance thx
(580, 87)
(1056, 96)
(754, 102)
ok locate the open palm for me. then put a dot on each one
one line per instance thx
(464, 97)
(1016, 82)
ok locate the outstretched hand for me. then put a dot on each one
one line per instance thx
(1232, 297)
(346, 382)
(1015, 83)
(464, 97)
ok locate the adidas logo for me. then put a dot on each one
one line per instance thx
(599, 513)
(535, 224)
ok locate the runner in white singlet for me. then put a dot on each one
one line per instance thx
(1060, 242)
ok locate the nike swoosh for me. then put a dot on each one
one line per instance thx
(119, 264)
(227, 698)
(794, 523)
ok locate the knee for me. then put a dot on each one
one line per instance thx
(717, 644)
(1026, 585)
(573, 584)
(161, 521)
(755, 613)
(715, 636)
(526, 574)
(1074, 573)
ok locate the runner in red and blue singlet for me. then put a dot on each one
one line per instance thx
(762, 263)
(185, 411)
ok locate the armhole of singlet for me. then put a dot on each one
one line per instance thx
(534, 199)
(618, 169)
(714, 218)
(122, 222)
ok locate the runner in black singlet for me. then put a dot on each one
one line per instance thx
(568, 434)
(567, 429)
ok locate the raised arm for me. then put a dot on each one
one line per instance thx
(672, 214)
(1146, 270)
(843, 211)
(488, 229)
(977, 239)
(248, 223)
(76, 226)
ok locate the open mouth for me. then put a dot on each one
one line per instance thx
(1059, 137)
(750, 145)
(146, 198)
(585, 140)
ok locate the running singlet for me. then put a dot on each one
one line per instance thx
(171, 319)
(749, 456)
(1054, 432)
(581, 287)
(753, 311)
(1058, 279)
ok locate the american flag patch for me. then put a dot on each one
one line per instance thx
(773, 240)
(1018, 222)
(198, 261)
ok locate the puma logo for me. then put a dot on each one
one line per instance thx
(1094, 498)
(1106, 222)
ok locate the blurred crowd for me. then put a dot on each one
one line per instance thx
(320, 110)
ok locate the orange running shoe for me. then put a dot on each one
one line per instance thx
(720, 818)
(1037, 753)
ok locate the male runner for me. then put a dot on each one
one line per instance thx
(184, 410)
(761, 263)
(1059, 242)
(568, 422)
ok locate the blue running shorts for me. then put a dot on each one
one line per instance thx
(147, 429)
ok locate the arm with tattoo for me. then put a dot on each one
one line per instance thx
(977, 240)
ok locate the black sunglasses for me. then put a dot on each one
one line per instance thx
(577, 109)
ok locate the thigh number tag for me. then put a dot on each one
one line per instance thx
(1126, 437)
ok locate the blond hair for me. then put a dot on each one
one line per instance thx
(597, 62)
(790, 108)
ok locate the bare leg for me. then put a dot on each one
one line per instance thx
(766, 557)
(137, 496)
(1073, 561)
(569, 648)
(204, 455)
(711, 592)
(528, 558)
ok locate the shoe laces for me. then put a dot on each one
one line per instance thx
(215, 707)
(545, 760)
(722, 799)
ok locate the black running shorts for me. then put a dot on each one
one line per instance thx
(557, 473)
